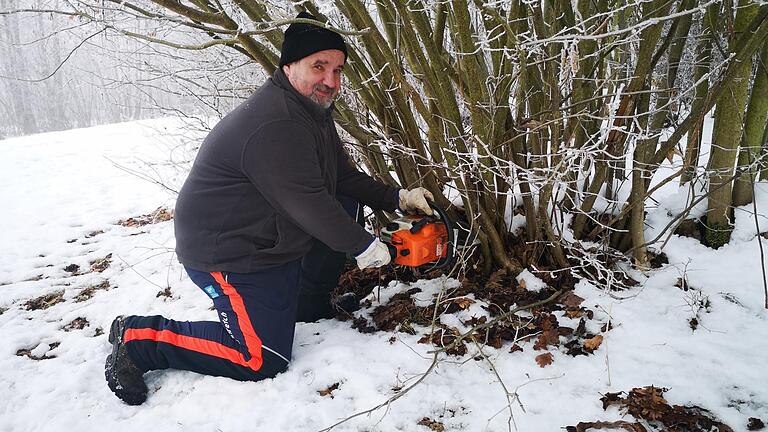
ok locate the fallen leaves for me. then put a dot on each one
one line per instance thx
(362, 282)
(502, 292)
(460, 303)
(400, 312)
(78, 323)
(550, 334)
(648, 403)
(570, 300)
(90, 291)
(26, 352)
(93, 234)
(101, 264)
(388, 317)
(544, 360)
(45, 301)
(96, 266)
(585, 426)
(363, 326)
(446, 337)
(432, 424)
(160, 214)
(755, 423)
(592, 344)
(328, 391)
(165, 292)
(497, 294)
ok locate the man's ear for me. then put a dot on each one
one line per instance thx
(287, 70)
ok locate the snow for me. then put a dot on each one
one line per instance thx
(532, 283)
(66, 186)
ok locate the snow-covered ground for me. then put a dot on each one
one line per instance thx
(64, 193)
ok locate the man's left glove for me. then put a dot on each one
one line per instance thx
(375, 255)
(416, 200)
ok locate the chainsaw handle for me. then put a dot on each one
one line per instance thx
(392, 251)
(449, 257)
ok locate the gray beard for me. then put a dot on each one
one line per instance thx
(325, 104)
(313, 97)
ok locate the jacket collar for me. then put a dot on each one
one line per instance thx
(316, 111)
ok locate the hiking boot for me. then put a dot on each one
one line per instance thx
(124, 378)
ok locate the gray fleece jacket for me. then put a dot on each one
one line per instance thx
(264, 184)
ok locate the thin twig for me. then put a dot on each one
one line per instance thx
(37, 80)
(503, 316)
(511, 421)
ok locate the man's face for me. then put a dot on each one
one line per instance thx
(317, 76)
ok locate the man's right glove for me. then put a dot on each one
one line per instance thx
(415, 200)
(375, 255)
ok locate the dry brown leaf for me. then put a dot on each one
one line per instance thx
(570, 300)
(593, 343)
(78, 323)
(574, 313)
(544, 359)
(329, 391)
(159, 215)
(432, 424)
(754, 424)
(648, 402)
(522, 283)
(546, 338)
(586, 426)
(612, 399)
(541, 343)
(45, 301)
(101, 264)
(463, 302)
(548, 322)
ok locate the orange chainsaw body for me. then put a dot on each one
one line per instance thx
(417, 241)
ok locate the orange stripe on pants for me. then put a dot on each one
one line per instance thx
(205, 346)
(202, 346)
(252, 341)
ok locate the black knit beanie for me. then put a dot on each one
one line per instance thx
(302, 40)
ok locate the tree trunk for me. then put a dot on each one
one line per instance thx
(701, 68)
(754, 127)
(729, 123)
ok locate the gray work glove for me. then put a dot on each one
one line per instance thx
(375, 255)
(414, 200)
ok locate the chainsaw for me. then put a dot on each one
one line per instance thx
(419, 241)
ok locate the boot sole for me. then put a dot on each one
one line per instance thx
(129, 398)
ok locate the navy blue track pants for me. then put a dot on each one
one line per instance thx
(257, 314)
(251, 341)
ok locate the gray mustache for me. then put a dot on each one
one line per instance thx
(324, 88)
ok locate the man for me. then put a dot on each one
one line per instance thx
(263, 224)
